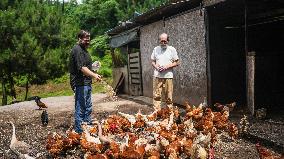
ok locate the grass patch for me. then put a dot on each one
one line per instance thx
(54, 88)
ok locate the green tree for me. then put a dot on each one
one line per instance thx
(6, 32)
(97, 16)
(37, 39)
(129, 7)
(28, 57)
(99, 45)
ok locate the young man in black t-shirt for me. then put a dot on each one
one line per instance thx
(81, 79)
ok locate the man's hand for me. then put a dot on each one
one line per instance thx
(174, 64)
(161, 68)
(88, 72)
(98, 77)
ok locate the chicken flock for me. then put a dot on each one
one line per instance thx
(164, 133)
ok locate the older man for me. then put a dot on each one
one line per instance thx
(164, 59)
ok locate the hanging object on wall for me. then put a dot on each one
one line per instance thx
(201, 8)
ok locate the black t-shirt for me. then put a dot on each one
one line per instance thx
(79, 57)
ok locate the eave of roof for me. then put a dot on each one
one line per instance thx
(156, 14)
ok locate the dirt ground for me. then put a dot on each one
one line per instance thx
(27, 121)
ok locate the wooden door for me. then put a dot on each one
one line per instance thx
(134, 74)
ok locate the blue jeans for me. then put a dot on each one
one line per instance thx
(83, 106)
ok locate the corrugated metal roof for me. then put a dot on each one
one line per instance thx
(156, 14)
(123, 38)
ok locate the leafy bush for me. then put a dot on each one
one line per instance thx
(106, 65)
(21, 81)
(99, 45)
(61, 79)
(105, 72)
(119, 58)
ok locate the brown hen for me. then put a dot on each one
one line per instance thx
(233, 130)
(265, 153)
(54, 144)
(221, 120)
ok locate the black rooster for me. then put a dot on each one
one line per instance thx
(44, 118)
(39, 103)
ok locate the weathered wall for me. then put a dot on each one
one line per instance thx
(187, 35)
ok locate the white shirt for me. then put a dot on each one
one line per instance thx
(164, 57)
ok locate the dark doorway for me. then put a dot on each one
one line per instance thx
(227, 53)
(263, 31)
(266, 40)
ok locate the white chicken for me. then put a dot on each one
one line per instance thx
(88, 136)
(130, 118)
(171, 121)
(20, 148)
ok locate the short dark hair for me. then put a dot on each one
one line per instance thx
(82, 34)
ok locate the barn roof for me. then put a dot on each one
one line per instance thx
(258, 10)
(156, 14)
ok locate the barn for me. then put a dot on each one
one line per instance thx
(229, 50)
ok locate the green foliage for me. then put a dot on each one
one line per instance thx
(106, 68)
(53, 64)
(129, 7)
(35, 35)
(119, 58)
(62, 79)
(35, 42)
(99, 44)
(105, 72)
(106, 64)
(97, 16)
(21, 80)
(3, 4)
(6, 30)
(101, 52)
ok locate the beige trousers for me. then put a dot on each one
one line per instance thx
(165, 86)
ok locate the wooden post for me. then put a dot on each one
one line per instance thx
(208, 67)
(128, 70)
(250, 76)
